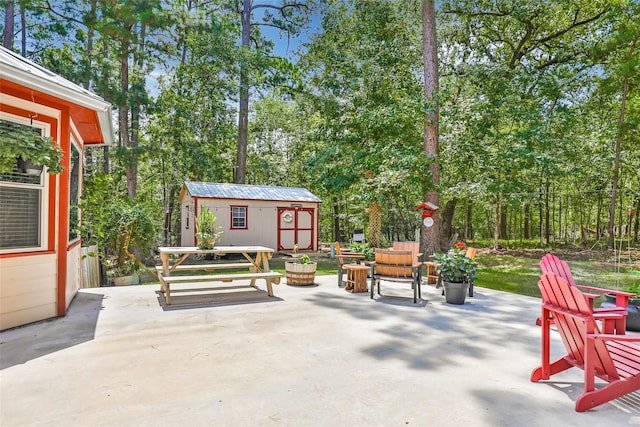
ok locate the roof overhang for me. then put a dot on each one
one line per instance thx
(82, 103)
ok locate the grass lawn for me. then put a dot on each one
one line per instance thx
(520, 275)
(511, 272)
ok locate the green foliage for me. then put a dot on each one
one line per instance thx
(530, 101)
(207, 230)
(304, 259)
(455, 266)
(27, 143)
(363, 248)
(121, 226)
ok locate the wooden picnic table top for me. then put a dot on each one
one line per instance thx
(215, 250)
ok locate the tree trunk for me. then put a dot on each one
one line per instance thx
(243, 107)
(7, 34)
(430, 236)
(106, 162)
(496, 225)
(540, 217)
(447, 220)
(504, 224)
(527, 221)
(469, 229)
(616, 164)
(636, 227)
(135, 108)
(23, 32)
(547, 230)
(336, 220)
(123, 118)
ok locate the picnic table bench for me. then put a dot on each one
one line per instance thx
(257, 265)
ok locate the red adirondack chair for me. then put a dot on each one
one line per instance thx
(552, 264)
(612, 358)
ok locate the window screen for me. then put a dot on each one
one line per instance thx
(21, 198)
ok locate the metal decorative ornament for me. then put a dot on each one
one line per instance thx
(427, 209)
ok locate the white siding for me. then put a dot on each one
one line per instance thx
(187, 235)
(27, 289)
(262, 221)
(73, 274)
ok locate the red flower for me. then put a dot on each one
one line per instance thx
(460, 245)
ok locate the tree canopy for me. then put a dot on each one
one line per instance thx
(538, 108)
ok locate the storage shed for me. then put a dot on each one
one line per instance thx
(39, 217)
(276, 217)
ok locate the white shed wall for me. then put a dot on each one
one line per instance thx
(262, 221)
(187, 228)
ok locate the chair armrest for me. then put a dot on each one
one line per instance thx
(359, 256)
(622, 298)
(607, 316)
(612, 337)
(618, 294)
(607, 291)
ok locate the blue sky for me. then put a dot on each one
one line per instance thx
(287, 48)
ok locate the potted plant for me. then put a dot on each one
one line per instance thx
(301, 271)
(207, 231)
(25, 149)
(456, 270)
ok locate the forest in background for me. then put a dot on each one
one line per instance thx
(539, 111)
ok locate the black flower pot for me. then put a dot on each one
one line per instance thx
(633, 311)
(455, 293)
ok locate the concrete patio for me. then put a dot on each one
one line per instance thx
(311, 356)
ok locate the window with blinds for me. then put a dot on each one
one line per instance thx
(21, 205)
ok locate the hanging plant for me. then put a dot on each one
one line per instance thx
(22, 142)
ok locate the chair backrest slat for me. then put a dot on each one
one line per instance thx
(390, 262)
(414, 247)
(471, 253)
(560, 297)
(552, 264)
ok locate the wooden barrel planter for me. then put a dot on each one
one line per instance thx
(300, 274)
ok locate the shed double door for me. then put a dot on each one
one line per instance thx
(295, 227)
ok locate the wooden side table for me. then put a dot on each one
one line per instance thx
(356, 277)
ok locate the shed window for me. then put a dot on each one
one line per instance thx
(22, 200)
(238, 217)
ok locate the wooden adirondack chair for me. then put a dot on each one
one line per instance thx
(612, 358)
(396, 266)
(344, 257)
(552, 264)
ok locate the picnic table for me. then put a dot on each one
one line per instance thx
(256, 262)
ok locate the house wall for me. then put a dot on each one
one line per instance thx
(262, 220)
(28, 289)
(40, 283)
